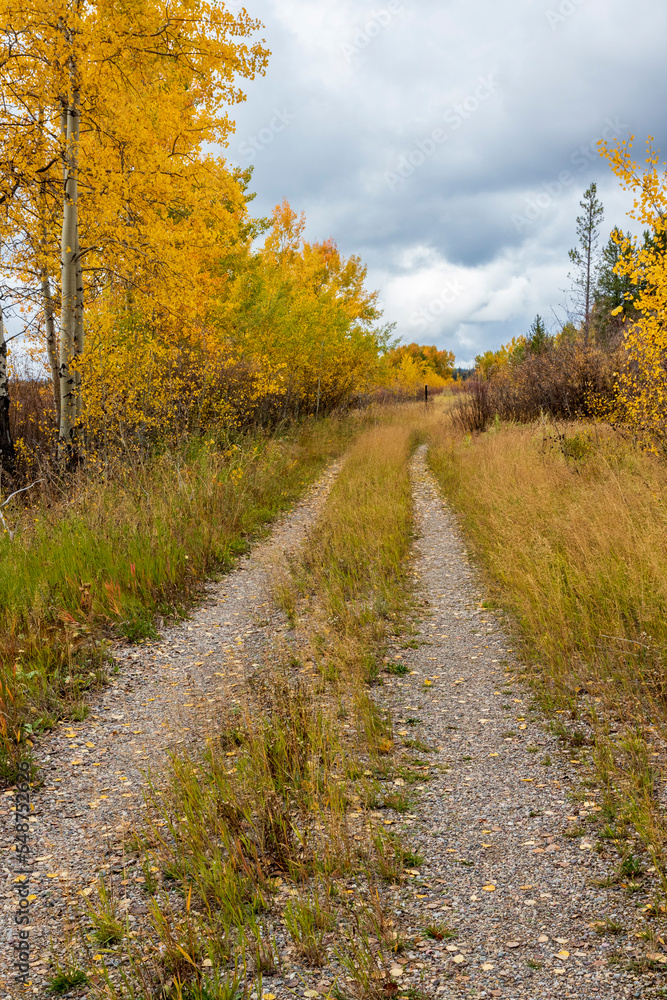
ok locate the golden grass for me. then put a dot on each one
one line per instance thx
(353, 567)
(570, 524)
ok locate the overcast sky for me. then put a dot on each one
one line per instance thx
(449, 143)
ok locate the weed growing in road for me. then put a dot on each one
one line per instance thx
(439, 932)
(66, 979)
(107, 927)
(307, 922)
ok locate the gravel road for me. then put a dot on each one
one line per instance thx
(508, 887)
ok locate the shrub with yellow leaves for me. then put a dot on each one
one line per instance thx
(642, 385)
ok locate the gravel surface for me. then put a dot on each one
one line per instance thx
(95, 771)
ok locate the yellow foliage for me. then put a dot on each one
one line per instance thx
(409, 367)
(642, 386)
(287, 329)
(185, 321)
(493, 362)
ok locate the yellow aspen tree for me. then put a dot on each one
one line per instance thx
(129, 91)
(642, 386)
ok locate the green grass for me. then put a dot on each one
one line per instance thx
(64, 980)
(398, 669)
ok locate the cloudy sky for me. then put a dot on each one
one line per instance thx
(448, 143)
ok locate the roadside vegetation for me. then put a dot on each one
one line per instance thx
(569, 522)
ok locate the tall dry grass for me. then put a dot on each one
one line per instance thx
(570, 523)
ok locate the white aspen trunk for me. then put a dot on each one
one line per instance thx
(51, 345)
(69, 256)
(50, 331)
(7, 453)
